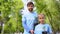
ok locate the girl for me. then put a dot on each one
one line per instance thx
(42, 28)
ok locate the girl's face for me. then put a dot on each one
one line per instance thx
(41, 18)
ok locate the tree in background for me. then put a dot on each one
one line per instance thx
(10, 15)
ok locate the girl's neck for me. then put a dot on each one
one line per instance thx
(42, 23)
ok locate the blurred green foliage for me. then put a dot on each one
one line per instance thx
(51, 9)
(10, 15)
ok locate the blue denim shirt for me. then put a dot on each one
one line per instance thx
(28, 20)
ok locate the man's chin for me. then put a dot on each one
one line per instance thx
(31, 10)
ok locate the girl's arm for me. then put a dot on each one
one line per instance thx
(49, 29)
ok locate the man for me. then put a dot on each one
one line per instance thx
(29, 18)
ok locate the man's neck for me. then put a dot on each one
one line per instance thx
(31, 11)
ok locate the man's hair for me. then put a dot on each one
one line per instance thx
(30, 3)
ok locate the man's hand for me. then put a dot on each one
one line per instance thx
(32, 32)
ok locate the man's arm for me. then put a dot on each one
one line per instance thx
(24, 23)
(36, 20)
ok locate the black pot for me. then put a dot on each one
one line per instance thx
(44, 32)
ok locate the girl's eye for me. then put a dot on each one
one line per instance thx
(42, 18)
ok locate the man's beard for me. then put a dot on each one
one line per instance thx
(31, 10)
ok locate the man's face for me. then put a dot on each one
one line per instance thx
(30, 7)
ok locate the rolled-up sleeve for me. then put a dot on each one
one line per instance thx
(24, 23)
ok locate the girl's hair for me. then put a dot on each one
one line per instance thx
(41, 14)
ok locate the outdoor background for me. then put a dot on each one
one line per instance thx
(10, 14)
